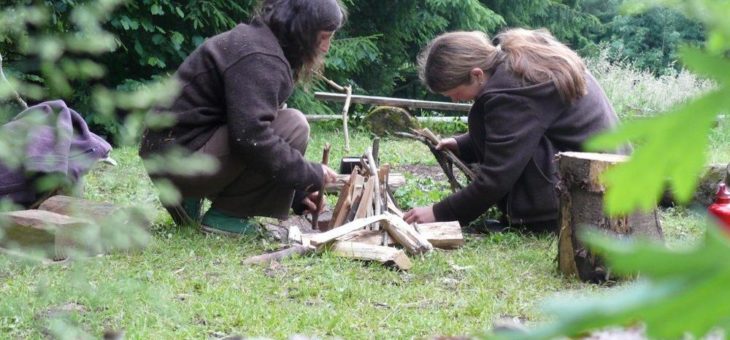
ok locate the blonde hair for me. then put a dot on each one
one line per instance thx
(533, 55)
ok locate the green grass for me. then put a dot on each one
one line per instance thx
(188, 285)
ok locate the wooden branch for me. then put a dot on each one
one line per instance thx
(345, 109)
(444, 235)
(331, 83)
(398, 102)
(345, 229)
(16, 96)
(367, 252)
(383, 176)
(434, 140)
(279, 255)
(376, 181)
(436, 119)
(320, 194)
(406, 235)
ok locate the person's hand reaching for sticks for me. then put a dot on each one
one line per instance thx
(309, 203)
(420, 215)
(330, 176)
(448, 144)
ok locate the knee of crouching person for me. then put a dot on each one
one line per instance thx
(299, 136)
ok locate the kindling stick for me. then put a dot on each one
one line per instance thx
(20, 101)
(374, 177)
(320, 195)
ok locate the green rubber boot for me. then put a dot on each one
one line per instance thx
(192, 207)
(217, 222)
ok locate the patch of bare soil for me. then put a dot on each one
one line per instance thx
(421, 170)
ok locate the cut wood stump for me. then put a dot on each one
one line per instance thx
(98, 212)
(581, 206)
(443, 235)
(367, 252)
(53, 235)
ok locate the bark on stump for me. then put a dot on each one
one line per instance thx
(581, 206)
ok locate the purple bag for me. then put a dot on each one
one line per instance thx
(48, 138)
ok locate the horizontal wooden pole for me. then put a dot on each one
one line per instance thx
(399, 102)
(321, 118)
(395, 181)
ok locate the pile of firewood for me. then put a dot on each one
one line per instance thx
(367, 225)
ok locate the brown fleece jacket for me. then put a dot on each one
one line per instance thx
(515, 130)
(240, 79)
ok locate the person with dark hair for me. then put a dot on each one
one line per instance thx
(232, 107)
(533, 97)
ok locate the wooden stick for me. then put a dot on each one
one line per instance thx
(384, 193)
(345, 109)
(367, 252)
(376, 183)
(345, 229)
(399, 102)
(320, 194)
(444, 235)
(16, 96)
(279, 255)
(435, 140)
(366, 199)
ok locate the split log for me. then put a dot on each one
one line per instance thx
(345, 229)
(395, 181)
(407, 236)
(344, 201)
(367, 252)
(52, 234)
(279, 255)
(581, 206)
(366, 200)
(98, 212)
(443, 235)
(372, 237)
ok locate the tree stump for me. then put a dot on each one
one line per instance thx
(384, 120)
(581, 206)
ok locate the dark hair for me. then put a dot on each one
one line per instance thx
(296, 24)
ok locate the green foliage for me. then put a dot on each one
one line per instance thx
(421, 191)
(651, 164)
(650, 39)
(671, 284)
(565, 19)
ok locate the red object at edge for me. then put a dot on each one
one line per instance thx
(721, 207)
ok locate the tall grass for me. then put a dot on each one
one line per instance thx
(637, 93)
